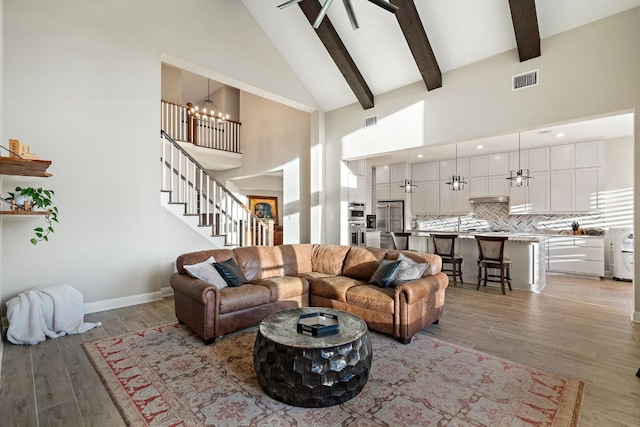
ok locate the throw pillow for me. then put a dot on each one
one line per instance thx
(385, 274)
(409, 270)
(230, 272)
(206, 271)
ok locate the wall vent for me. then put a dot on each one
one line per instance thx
(370, 121)
(521, 81)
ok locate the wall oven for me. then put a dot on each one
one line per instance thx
(356, 212)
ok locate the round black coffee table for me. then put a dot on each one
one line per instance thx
(302, 370)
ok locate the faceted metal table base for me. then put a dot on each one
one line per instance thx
(301, 370)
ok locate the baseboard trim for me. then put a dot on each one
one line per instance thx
(110, 304)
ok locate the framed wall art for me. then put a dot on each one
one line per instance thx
(264, 207)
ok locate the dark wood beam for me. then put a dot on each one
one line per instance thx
(329, 37)
(416, 37)
(525, 26)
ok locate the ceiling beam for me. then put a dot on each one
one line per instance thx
(416, 37)
(525, 26)
(329, 37)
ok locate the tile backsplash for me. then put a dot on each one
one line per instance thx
(496, 216)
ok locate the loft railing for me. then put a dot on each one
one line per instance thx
(201, 130)
(204, 196)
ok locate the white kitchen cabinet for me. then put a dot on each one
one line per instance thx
(397, 173)
(419, 198)
(432, 171)
(562, 190)
(449, 167)
(539, 159)
(562, 156)
(419, 172)
(372, 239)
(519, 200)
(446, 198)
(577, 255)
(396, 190)
(539, 192)
(383, 192)
(589, 154)
(478, 186)
(498, 185)
(478, 166)
(498, 164)
(518, 160)
(432, 196)
(461, 201)
(382, 175)
(587, 189)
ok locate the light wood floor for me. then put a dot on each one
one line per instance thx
(53, 383)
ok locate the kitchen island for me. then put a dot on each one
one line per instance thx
(526, 251)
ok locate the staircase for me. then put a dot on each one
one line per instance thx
(195, 197)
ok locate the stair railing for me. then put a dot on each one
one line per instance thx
(189, 183)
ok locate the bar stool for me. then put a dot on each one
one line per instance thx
(400, 240)
(445, 246)
(491, 256)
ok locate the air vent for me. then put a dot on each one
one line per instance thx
(370, 121)
(521, 81)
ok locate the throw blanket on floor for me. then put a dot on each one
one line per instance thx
(48, 311)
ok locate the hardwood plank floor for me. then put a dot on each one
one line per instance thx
(575, 327)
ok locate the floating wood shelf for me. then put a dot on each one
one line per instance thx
(21, 212)
(24, 167)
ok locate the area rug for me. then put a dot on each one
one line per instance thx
(166, 376)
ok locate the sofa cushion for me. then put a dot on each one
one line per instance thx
(230, 272)
(435, 262)
(361, 263)
(409, 270)
(296, 259)
(372, 297)
(284, 287)
(245, 296)
(206, 271)
(386, 273)
(329, 259)
(259, 262)
(333, 287)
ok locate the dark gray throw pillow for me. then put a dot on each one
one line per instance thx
(230, 272)
(386, 273)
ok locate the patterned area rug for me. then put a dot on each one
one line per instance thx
(166, 376)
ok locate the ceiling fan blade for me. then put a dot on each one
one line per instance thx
(322, 13)
(385, 5)
(352, 15)
(288, 3)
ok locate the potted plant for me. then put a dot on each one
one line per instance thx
(38, 198)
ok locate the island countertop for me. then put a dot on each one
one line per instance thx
(513, 236)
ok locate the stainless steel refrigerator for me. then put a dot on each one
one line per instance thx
(389, 217)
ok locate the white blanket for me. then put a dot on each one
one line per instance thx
(48, 311)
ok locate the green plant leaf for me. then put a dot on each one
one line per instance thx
(34, 242)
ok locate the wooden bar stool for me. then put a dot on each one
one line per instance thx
(445, 246)
(400, 240)
(491, 256)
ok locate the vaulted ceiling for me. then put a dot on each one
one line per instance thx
(422, 40)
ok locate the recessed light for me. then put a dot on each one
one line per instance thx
(559, 135)
(420, 156)
(480, 147)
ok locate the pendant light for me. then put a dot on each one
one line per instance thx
(521, 176)
(208, 114)
(409, 185)
(456, 182)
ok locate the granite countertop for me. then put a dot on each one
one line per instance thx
(513, 236)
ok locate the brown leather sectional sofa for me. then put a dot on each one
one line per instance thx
(290, 276)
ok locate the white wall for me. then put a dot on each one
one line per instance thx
(94, 68)
(585, 72)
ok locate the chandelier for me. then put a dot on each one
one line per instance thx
(207, 110)
(347, 5)
(456, 182)
(521, 176)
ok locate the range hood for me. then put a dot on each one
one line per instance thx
(489, 199)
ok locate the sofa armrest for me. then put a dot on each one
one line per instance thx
(195, 289)
(420, 288)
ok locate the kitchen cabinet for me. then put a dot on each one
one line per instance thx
(498, 185)
(396, 191)
(589, 154)
(539, 159)
(562, 190)
(587, 189)
(533, 198)
(432, 171)
(577, 255)
(419, 172)
(383, 192)
(562, 157)
(518, 160)
(382, 175)
(432, 196)
(478, 166)
(449, 167)
(453, 201)
(478, 186)
(419, 198)
(372, 239)
(498, 164)
(398, 173)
